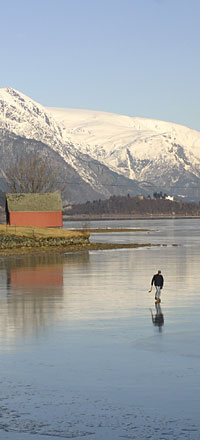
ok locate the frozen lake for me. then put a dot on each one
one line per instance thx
(81, 355)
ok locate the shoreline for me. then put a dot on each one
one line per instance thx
(20, 241)
(67, 218)
(105, 230)
(76, 248)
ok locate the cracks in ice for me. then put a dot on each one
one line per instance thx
(83, 417)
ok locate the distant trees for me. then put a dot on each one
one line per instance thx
(32, 174)
(159, 195)
(127, 205)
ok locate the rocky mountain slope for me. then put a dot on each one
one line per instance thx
(99, 154)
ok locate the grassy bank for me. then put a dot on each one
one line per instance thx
(37, 233)
(16, 240)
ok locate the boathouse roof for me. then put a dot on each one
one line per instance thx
(34, 202)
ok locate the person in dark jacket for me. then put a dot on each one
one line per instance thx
(158, 282)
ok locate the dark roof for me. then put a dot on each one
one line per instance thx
(34, 202)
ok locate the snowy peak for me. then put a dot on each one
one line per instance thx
(21, 103)
(23, 116)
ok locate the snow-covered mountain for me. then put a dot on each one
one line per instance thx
(157, 154)
(26, 125)
(99, 154)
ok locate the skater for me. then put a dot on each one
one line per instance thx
(158, 281)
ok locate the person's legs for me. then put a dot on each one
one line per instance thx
(157, 294)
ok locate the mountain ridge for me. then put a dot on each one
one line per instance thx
(109, 153)
(124, 133)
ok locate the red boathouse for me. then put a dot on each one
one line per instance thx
(41, 210)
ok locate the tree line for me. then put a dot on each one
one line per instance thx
(134, 205)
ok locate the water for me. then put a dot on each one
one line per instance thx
(81, 356)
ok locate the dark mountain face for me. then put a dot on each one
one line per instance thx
(77, 190)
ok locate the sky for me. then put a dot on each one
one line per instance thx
(132, 57)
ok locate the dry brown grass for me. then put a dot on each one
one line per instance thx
(28, 231)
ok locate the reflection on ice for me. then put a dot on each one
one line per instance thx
(26, 302)
(157, 317)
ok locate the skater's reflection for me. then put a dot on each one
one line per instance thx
(157, 317)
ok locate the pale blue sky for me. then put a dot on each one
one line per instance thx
(133, 57)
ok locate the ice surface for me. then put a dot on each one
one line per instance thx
(80, 355)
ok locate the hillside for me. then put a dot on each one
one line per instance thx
(131, 206)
